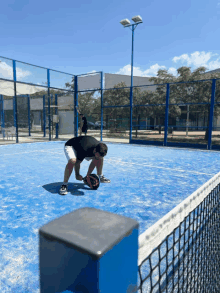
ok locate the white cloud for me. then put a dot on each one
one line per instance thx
(21, 74)
(152, 71)
(173, 71)
(6, 71)
(198, 59)
(126, 70)
(214, 64)
(194, 60)
(7, 88)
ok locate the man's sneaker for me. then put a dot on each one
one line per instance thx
(103, 179)
(63, 189)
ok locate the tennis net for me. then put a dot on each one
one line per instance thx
(181, 252)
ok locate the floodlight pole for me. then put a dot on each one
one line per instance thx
(131, 89)
(133, 26)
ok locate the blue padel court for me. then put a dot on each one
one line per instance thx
(146, 183)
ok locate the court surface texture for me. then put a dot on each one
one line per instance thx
(146, 183)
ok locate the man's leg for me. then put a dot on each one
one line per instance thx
(77, 169)
(67, 173)
(69, 169)
(99, 166)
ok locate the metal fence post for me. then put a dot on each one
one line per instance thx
(166, 114)
(15, 101)
(49, 117)
(14, 115)
(48, 93)
(2, 115)
(101, 75)
(211, 114)
(44, 116)
(56, 113)
(75, 105)
(29, 115)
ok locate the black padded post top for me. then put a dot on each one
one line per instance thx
(89, 230)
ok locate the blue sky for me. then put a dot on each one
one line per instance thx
(84, 36)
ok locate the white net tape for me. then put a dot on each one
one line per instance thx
(153, 236)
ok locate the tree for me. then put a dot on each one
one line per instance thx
(184, 91)
(164, 77)
(86, 100)
(187, 87)
(118, 96)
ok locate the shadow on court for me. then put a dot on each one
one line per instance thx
(73, 188)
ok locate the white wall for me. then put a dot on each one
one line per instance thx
(66, 122)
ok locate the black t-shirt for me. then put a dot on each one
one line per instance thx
(83, 145)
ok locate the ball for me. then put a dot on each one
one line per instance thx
(94, 179)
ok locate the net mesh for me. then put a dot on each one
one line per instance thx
(181, 252)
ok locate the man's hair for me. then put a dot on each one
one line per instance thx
(102, 149)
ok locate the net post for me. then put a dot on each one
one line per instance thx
(75, 105)
(89, 250)
(166, 114)
(211, 114)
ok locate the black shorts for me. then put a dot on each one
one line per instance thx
(84, 129)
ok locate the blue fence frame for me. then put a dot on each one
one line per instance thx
(131, 106)
(188, 145)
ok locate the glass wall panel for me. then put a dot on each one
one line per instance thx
(148, 123)
(216, 117)
(117, 122)
(7, 121)
(90, 81)
(6, 68)
(149, 95)
(61, 80)
(189, 118)
(31, 73)
(90, 106)
(116, 97)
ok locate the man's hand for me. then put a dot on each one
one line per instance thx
(89, 182)
(79, 177)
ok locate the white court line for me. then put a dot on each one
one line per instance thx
(117, 161)
(37, 151)
(157, 167)
(179, 170)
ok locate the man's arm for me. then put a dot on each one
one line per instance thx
(91, 167)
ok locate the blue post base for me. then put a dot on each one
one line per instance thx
(89, 250)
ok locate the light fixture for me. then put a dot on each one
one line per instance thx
(137, 18)
(125, 22)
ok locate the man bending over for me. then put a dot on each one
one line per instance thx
(76, 150)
